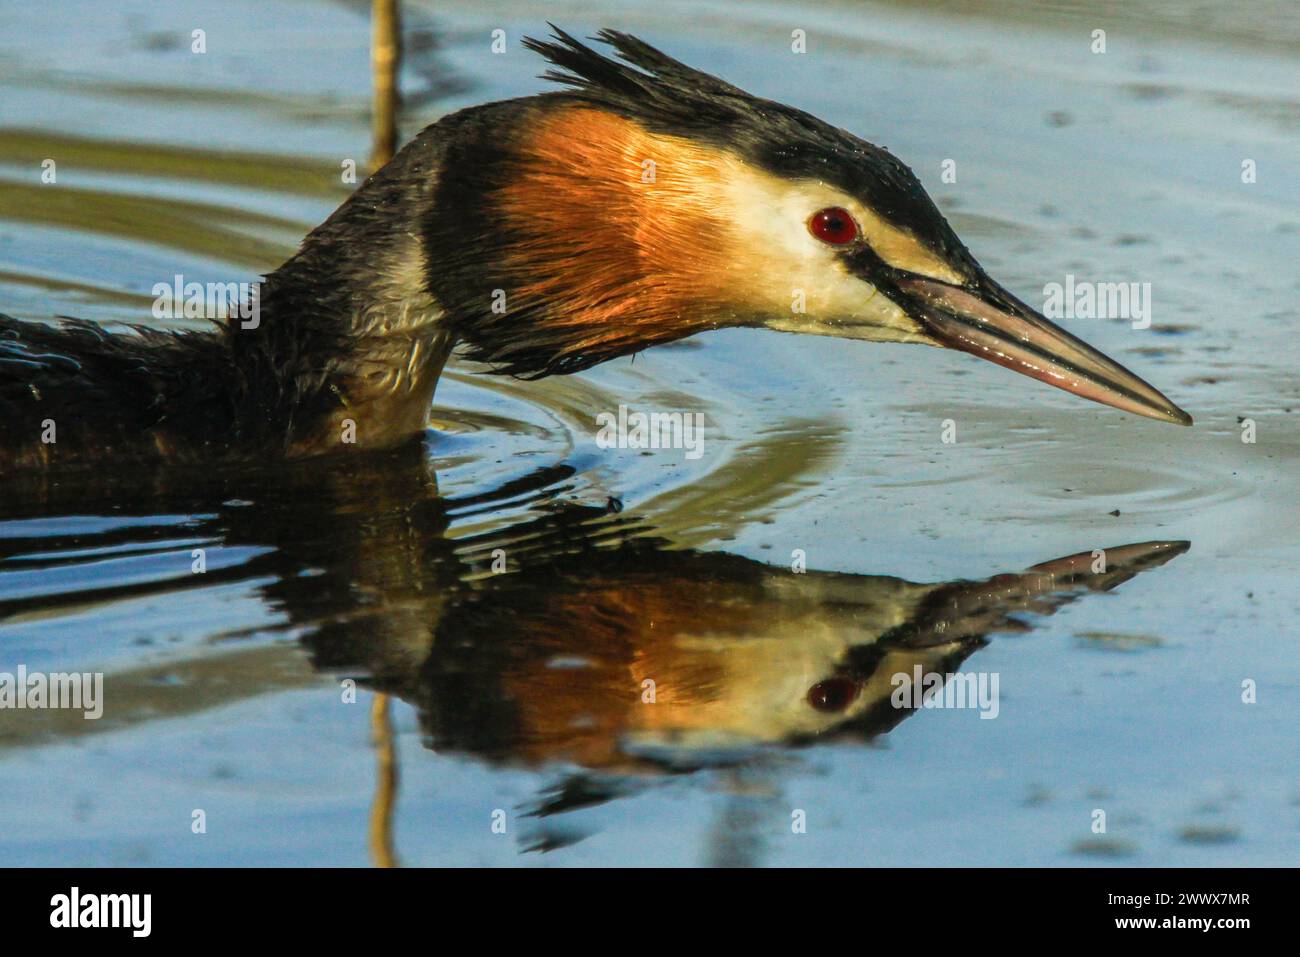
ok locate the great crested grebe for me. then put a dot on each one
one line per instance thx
(645, 203)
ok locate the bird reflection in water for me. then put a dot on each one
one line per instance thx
(599, 648)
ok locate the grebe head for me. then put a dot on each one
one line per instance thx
(651, 201)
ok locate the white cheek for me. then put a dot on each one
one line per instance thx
(796, 280)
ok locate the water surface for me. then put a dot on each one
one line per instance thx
(523, 693)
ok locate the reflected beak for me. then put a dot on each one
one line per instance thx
(994, 325)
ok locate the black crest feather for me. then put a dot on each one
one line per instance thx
(591, 72)
(649, 84)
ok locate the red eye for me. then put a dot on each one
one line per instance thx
(833, 225)
(833, 694)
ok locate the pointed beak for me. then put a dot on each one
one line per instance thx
(994, 325)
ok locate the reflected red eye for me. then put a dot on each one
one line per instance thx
(833, 225)
(833, 694)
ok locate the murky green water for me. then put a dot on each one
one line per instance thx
(522, 698)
